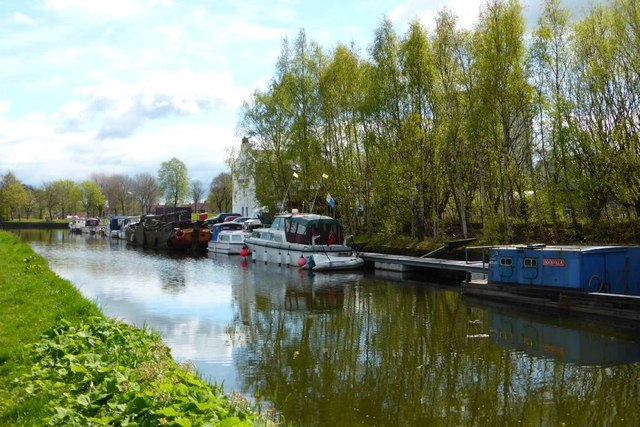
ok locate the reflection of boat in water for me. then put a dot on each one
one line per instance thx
(576, 342)
(300, 290)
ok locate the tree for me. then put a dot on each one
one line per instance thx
(550, 74)
(68, 196)
(92, 198)
(13, 196)
(116, 189)
(197, 192)
(174, 181)
(220, 192)
(145, 190)
(456, 151)
(505, 98)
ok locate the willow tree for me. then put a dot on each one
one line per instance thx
(505, 97)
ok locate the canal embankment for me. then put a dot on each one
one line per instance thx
(63, 362)
(34, 225)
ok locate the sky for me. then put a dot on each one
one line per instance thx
(120, 86)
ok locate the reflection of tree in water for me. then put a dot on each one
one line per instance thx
(412, 355)
(172, 274)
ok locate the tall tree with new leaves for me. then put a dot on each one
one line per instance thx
(456, 151)
(173, 180)
(505, 97)
(417, 145)
(342, 91)
(551, 76)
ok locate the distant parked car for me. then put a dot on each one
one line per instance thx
(240, 219)
(221, 217)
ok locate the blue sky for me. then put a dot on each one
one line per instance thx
(120, 86)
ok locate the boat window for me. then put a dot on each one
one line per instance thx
(224, 238)
(278, 223)
(236, 238)
(506, 261)
(530, 262)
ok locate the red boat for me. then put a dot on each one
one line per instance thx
(183, 238)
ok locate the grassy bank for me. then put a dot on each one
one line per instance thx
(63, 363)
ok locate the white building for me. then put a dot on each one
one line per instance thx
(244, 190)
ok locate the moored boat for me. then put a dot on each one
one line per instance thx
(322, 262)
(228, 238)
(169, 231)
(601, 281)
(189, 238)
(115, 225)
(293, 236)
(76, 224)
(92, 226)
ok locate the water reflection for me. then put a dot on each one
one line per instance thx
(584, 342)
(358, 348)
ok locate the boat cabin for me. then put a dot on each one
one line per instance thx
(608, 269)
(306, 229)
(92, 222)
(217, 228)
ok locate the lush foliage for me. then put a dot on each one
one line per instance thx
(173, 179)
(32, 300)
(87, 370)
(435, 132)
(102, 372)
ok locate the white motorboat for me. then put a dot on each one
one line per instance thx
(92, 226)
(76, 224)
(127, 222)
(227, 238)
(293, 237)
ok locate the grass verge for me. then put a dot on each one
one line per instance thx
(63, 363)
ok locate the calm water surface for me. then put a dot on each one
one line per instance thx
(358, 348)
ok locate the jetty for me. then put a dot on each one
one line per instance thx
(404, 263)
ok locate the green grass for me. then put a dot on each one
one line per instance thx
(63, 363)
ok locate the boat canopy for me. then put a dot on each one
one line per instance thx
(310, 221)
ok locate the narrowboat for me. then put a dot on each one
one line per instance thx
(586, 280)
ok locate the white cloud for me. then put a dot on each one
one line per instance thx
(467, 12)
(113, 9)
(21, 18)
(4, 106)
(124, 108)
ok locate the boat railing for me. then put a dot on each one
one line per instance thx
(484, 254)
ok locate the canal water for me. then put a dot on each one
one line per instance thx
(360, 348)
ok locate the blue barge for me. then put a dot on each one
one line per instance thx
(590, 280)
